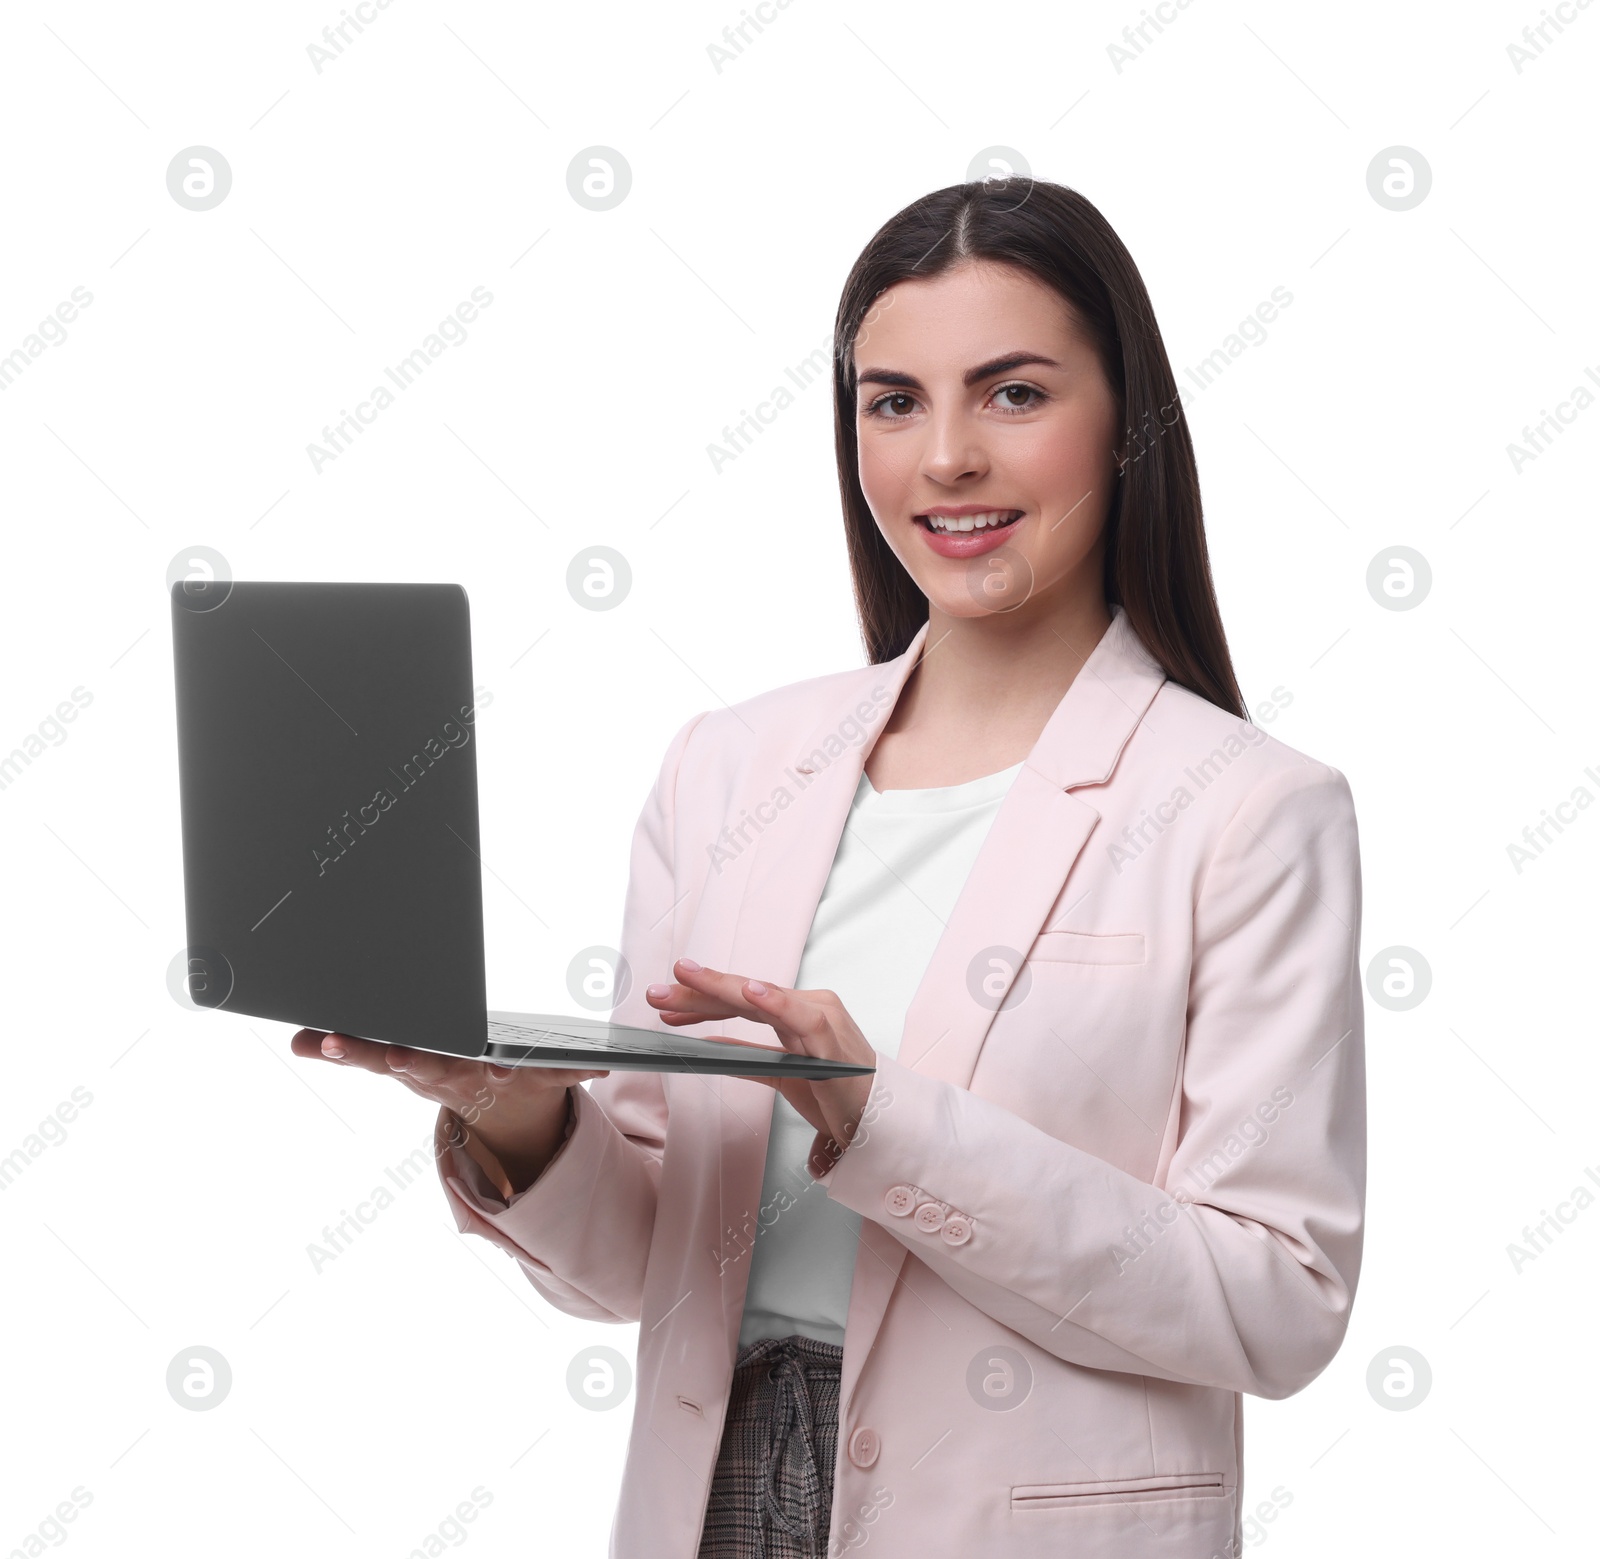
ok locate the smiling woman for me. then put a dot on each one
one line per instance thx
(1093, 933)
(1049, 335)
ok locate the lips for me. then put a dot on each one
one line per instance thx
(967, 531)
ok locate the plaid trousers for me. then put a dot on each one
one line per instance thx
(772, 1492)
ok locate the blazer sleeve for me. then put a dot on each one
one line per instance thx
(581, 1232)
(1236, 1268)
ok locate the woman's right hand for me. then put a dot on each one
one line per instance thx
(518, 1114)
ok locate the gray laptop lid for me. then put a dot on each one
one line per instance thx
(327, 763)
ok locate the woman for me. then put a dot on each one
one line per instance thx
(1095, 931)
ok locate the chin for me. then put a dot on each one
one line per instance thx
(986, 586)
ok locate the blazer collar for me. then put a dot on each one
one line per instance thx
(1082, 739)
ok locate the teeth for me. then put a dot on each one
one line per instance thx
(970, 521)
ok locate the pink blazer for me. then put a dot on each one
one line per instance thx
(1114, 1179)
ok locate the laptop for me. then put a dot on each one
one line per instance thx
(332, 876)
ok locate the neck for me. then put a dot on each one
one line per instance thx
(1002, 669)
(984, 688)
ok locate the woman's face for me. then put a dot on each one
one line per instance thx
(987, 437)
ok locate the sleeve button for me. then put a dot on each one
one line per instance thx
(956, 1230)
(900, 1200)
(930, 1217)
(864, 1448)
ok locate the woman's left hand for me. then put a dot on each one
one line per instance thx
(809, 1023)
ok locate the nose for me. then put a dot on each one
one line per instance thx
(954, 451)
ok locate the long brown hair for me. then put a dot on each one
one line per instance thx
(1156, 567)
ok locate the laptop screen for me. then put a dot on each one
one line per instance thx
(327, 756)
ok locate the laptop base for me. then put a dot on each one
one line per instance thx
(534, 1039)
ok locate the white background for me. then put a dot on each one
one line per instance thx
(430, 157)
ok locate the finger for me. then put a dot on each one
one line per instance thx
(825, 1152)
(420, 1070)
(423, 1069)
(471, 1110)
(797, 1093)
(717, 985)
(687, 1004)
(436, 1076)
(802, 1025)
(365, 1053)
(799, 1021)
(749, 1044)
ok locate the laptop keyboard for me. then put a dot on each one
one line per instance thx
(541, 1039)
(602, 1038)
(600, 1045)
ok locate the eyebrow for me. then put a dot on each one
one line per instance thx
(998, 365)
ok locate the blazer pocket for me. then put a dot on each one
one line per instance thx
(1089, 947)
(1117, 1491)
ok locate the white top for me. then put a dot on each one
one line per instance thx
(902, 860)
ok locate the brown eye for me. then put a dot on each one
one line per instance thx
(1017, 397)
(896, 404)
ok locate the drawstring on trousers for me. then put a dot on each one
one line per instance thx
(791, 1418)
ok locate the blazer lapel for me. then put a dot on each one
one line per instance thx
(794, 853)
(788, 869)
(1037, 835)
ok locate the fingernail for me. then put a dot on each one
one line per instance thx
(659, 992)
(331, 1047)
(756, 987)
(397, 1062)
(689, 964)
